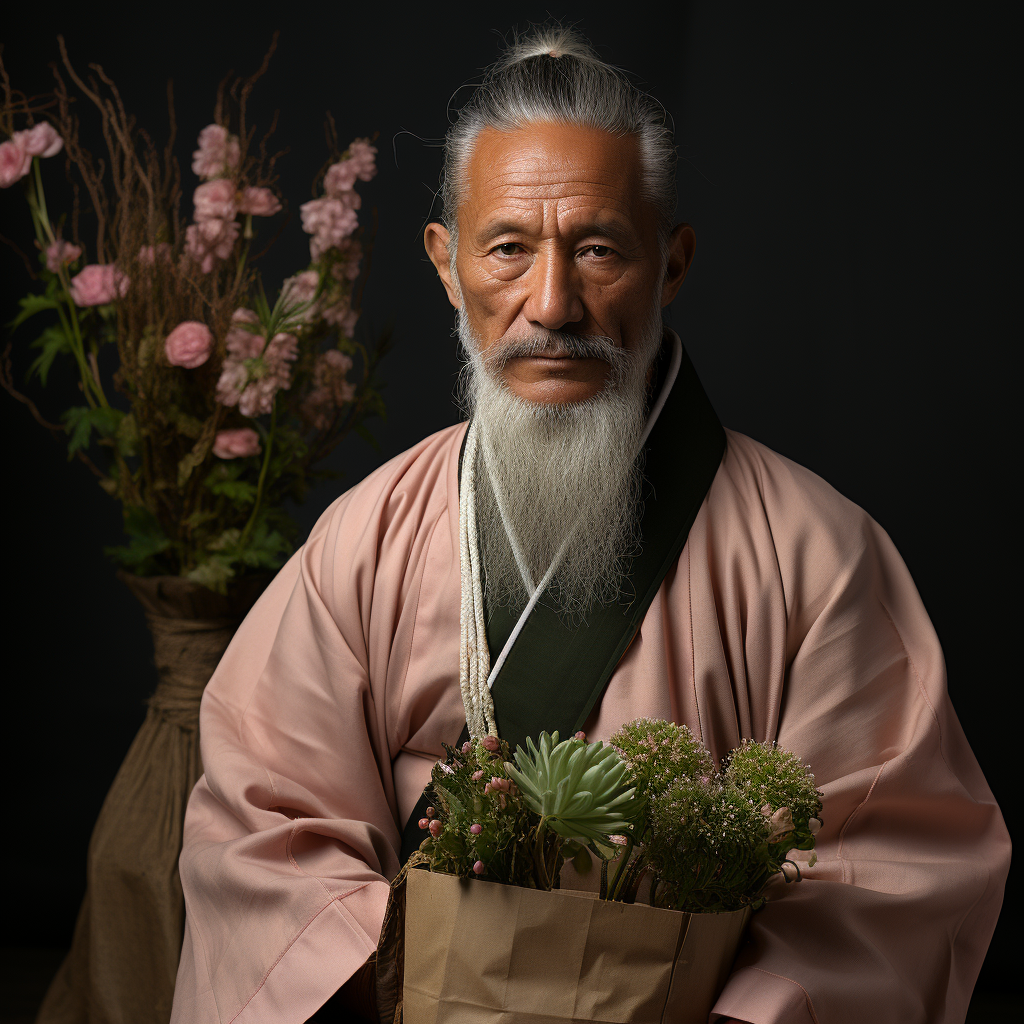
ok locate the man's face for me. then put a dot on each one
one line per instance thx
(554, 236)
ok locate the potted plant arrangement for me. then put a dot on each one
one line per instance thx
(479, 929)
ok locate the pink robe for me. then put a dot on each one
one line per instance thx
(788, 616)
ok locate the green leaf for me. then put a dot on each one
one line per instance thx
(30, 306)
(80, 421)
(52, 341)
(146, 540)
(185, 424)
(198, 517)
(237, 491)
(195, 458)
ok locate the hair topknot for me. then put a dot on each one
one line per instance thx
(547, 41)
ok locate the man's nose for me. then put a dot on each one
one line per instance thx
(554, 291)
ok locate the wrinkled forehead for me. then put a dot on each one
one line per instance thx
(575, 171)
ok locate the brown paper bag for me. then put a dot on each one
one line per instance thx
(479, 952)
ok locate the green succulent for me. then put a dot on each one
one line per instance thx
(579, 789)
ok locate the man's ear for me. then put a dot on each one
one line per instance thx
(435, 241)
(681, 245)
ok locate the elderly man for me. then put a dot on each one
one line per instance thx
(590, 548)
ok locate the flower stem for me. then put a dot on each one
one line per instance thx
(263, 476)
(613, 889)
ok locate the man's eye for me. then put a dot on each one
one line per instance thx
(507, 245)
(604, 250)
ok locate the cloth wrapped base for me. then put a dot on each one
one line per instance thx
(478, 952)
(124, 954)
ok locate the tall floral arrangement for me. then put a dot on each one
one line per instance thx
(223, 401)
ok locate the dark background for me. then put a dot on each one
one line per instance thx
(848, 174)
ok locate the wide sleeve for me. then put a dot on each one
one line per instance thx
(893, 922)
(290, 836)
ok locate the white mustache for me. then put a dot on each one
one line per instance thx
(555, 344)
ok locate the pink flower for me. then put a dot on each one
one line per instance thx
(283, 349)
(258, 397)
(301, 288)
(340, 177)
(233, 378)
(477, 776)
(189, 344)
(476, 829)
(215, 200)
(218, 152)
(211, 240)
(149, 254)
(467, 747)
(362, 154)
(329, 221)
(60, 252)
(581, 735)
(491, 743)
(478, 867)
(330, 374)
(98, 284)
(423, 823)
(41, 140)
(434, 828)
(242, 343)
(236, 444)
(15, 162)
(353, 200)
(260, 202)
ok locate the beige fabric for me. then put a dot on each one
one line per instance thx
(127, 940)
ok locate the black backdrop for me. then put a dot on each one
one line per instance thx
(848, 175)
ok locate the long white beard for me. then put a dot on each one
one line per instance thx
(565, 474)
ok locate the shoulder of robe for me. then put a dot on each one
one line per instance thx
(406, 490)
(819, 536)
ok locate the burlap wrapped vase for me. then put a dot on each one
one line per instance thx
(476, 952)
(127, 941)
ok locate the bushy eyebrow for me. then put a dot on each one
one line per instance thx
(610, 228)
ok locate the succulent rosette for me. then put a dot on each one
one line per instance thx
(578, 789)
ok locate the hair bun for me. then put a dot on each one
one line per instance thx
(551, 40)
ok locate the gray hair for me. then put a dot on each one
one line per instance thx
(554, 74)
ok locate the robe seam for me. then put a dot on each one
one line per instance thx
(924, 695)
(853, 814)
(281, 955)
(782, 977)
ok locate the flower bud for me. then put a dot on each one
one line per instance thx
(581, 735)
(423, 822)
(478, 775)
(476, 829)
(430, 812)
(435, 828)
(478, 867)
(491, 743)
(467, 747)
